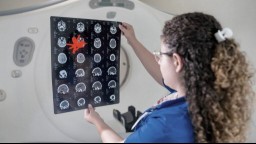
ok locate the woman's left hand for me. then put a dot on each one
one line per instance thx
(92, 116)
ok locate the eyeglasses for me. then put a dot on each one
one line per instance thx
(159, 54)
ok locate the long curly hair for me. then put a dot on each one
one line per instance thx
(217, 78)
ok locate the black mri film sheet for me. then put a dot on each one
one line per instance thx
(85, 58)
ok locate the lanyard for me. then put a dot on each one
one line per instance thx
(168, 88)
(141, 117)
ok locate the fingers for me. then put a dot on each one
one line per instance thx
(122, 28)
(125, 27)
(88, 110)
(86, 114)
(90, 107)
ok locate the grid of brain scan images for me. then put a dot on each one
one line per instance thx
(85, 56)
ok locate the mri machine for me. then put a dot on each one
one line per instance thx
(26, 105)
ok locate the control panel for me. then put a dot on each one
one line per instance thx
(23, 51)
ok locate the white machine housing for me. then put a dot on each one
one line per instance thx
(26, 103)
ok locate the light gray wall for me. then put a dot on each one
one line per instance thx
(239, 15)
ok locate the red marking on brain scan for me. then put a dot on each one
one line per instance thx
(78, 43)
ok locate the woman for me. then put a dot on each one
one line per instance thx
(204, 65)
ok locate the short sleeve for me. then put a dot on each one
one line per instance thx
(153, 130)
(165, 125)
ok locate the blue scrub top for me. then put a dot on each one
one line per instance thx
(167, 122)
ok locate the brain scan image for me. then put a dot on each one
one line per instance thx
(62, 42)
(112, 43)
(97, 43)
(62, 58)
(96, 72)
(61, 26)
(80, 73)
(112, 98)
(64, 105)
(97, 58)
(63, 74)
(97, 100)
(112, 57)
(80, 58)
(85, 63)
(81, 102)
(97, 86)
(113, 30)
(63, 89)
(112, 71)
(80, 87)
(112, 84)
(97, 28)
(80, 27)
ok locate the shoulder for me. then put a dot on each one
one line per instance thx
(172, 111)
(170, 117)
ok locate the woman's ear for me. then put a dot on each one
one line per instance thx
(177, 62)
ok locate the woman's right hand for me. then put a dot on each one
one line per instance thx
(128, 32)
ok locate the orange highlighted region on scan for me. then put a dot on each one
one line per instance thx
(78, 43)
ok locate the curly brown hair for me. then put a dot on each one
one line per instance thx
(217, 78)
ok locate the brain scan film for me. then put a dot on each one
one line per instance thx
(85, 63)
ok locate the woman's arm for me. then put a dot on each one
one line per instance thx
(107, 134)
(145, 56)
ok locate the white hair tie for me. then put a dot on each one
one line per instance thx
(223, 35)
